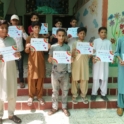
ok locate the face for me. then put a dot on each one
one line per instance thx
(58, 24)
(3, 30)
(81, 35)
(61, 36)
(36, 29)
(34, 18)
(103, 34)
(15, 22)
(73, 23)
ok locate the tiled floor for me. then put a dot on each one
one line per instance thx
(82, 116)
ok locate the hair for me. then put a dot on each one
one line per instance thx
(58, 20)
(73, 18)
(102, 28)
(36, 14)
(62, 30)
(2, 22)
(82, 29)
(36, 23)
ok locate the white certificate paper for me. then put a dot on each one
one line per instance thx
(8, 53)
(62, 57)
(39, 44)
(14, 31)
(72, 32)
(84, 48)
(123, 57)
(44, 28)
(104, 55)
(54, 30)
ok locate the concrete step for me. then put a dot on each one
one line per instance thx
(47, 90)
(21, 103)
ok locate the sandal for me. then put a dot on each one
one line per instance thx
(15, 119)
(22, 85)
(0, 120)
(66, 112)
(52, 111)
(42, 102)
(30, 101)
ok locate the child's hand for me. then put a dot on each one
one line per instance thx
(122, 63)
(50, 59)
(22, 28)
(94, 60)
(31, 34)
(28, 45)
(46, 36)
(17, 55)
(1, 56)
(69, 36)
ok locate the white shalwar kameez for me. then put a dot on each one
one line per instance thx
(101, 69)
(8, 80)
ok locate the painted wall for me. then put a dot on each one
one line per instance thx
(115, 21)
(90, 16)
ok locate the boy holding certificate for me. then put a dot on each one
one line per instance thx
(59, 75)
(53, 39)
(8, 75)
(100, 69)
(71, 40)
(36, 67)
(80, 69)
(119, 53)
(19, 42)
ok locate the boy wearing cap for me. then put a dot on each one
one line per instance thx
(19, 41)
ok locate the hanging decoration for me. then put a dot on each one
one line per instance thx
(56, 6)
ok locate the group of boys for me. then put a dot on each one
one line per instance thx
(60, 72)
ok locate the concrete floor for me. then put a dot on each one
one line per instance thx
(82, 116)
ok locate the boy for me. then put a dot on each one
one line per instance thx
(71, 40)
(58, 24)
(73, 22)
(8, 78)
(100, 69)
(36, 67)
(59, 75)
(119, 53)
(34, 17)
(19, 42)
(80, 69)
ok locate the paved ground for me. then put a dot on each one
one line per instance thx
(85, 116)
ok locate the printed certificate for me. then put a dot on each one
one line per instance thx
(62, 57)
(8, 53)
(44, 28)
(104, 55)
(14, 31)
(72, 32)
(84, 48)
(39, 44)
(54, 30)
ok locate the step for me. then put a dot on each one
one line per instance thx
(47, 90)
(21, 104)
(48, 80)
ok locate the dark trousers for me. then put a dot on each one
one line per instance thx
(19, 64)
